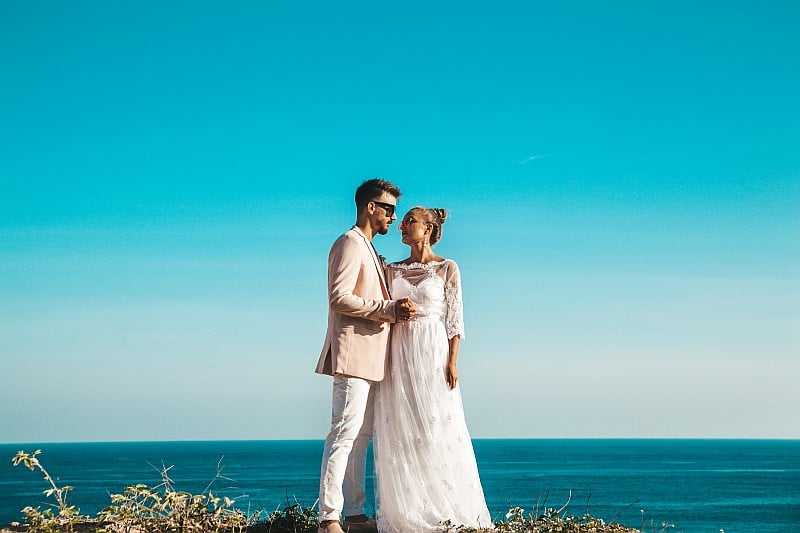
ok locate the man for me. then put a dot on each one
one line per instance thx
(360, 310)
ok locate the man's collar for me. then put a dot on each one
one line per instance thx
(360, 232)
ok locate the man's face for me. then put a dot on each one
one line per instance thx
(383, 213)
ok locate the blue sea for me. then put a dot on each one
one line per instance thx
(739, 486)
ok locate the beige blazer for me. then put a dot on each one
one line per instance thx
(359, 311)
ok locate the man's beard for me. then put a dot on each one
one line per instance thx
(383, 230)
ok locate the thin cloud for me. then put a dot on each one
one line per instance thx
(529, 159)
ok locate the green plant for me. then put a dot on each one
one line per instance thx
(551, 520)
(294, 517)
(665, 526)
(163, 509)
(47, 520)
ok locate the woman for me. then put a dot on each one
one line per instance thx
(425, 465)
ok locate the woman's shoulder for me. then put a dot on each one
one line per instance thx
(451, 268)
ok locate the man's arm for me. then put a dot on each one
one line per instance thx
(344, 263)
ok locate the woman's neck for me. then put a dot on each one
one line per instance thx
(422, 253)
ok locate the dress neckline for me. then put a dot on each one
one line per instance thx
(417, 264)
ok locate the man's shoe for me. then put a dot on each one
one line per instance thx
(368, 526)
(330, 527)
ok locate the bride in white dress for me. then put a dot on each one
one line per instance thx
(425, 465)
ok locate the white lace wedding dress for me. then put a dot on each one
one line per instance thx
(424, 462)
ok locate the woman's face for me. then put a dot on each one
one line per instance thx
(413, 229)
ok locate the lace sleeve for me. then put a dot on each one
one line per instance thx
(454, 316)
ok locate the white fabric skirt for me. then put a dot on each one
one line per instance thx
(425, 465)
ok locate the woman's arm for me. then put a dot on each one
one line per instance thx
(451, 372)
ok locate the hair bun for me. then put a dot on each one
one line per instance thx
(441, 214)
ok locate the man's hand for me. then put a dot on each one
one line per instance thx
(405, 309)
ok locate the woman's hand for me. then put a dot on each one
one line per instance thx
(451, 375)
(405, 309)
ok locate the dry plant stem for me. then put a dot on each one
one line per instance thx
(588, 499)
(569, 499)
(218, 475)
(543, 503)
(163, 472)
(614, 520)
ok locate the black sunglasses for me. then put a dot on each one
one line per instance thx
(389, 208)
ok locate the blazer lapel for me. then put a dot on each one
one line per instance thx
(374, 254)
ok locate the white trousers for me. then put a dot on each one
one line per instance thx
(344, 460)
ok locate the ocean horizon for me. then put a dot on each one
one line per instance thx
(697, 485)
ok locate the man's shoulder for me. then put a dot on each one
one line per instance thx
(350, 235)
(348, 240)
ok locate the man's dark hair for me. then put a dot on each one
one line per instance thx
(372, 189)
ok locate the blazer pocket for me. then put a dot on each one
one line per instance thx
(366, 327)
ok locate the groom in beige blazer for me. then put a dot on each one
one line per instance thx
(355, 353)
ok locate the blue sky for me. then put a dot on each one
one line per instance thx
(623, 182)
